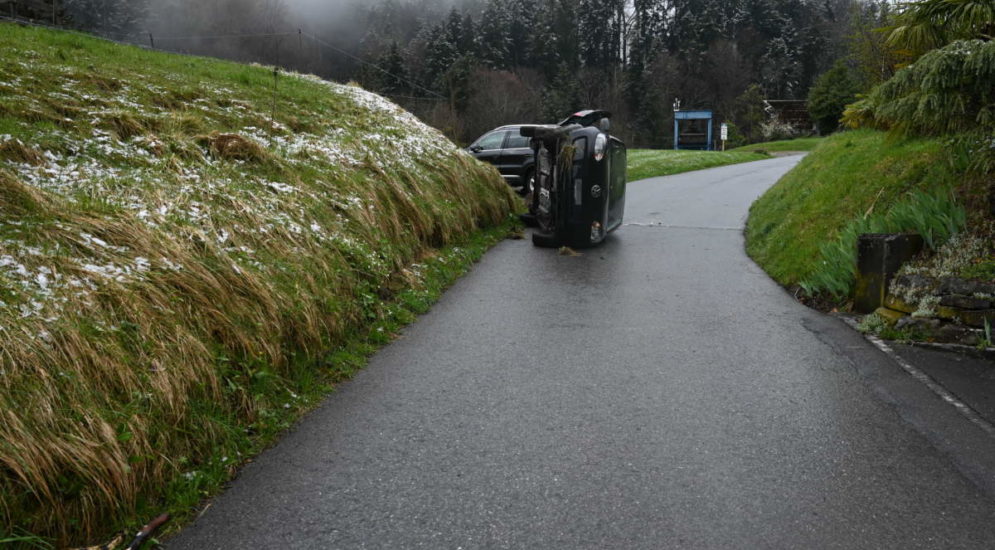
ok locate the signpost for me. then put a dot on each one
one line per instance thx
(724, 134)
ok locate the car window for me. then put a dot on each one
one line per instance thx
(580, 148)
(517, 140)
(492, 140)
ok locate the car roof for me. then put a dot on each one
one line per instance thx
(509, 126)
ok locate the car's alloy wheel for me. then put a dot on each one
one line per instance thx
(528, 186)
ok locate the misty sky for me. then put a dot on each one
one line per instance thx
(322, 12)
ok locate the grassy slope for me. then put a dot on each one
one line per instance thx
(648, 163)
(175, 271)
(799, 144)
(851, 177)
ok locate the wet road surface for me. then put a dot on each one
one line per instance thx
(657, 392)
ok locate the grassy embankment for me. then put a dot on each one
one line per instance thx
(650, 163)
(803, 231)
(181, 276)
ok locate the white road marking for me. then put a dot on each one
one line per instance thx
(963, 408)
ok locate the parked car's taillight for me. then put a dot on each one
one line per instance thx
(600, 144)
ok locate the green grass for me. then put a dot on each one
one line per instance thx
(799, 144)
(803, 230)
(649, 163)
(184, 269)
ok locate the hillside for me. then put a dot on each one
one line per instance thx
(803, 231)
(185, 246)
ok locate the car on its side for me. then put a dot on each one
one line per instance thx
(579, 189)
(508, 150)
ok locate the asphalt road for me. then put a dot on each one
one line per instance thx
(656, 392)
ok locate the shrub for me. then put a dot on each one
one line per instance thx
(776, 130)
(829, 97)
(736, 138)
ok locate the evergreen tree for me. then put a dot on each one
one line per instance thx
(780, 69)
(468, 42)
(751, 113)
(698, 23)
(393, 76)
(591, 19)
(115, 17)
(600, 23)
(830, 95)
(456, 83)
(440, 55)
(544, 45)
(47, 11)
(873, 60)
(455, 33)
(565, 24)
(643, 101)
(494, 36)
(562, 95)
(521, 14)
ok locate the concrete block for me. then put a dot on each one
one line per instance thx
(879, 255)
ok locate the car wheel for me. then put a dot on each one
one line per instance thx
(529, 186)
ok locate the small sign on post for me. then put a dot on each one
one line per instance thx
(724, 134)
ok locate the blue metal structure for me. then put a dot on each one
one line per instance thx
(693, 115)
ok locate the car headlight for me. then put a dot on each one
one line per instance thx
(600, 144)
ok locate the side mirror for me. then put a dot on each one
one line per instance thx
(476, 148)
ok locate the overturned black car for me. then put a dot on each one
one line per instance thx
(579, 193)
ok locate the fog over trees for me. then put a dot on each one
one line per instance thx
(466, 66)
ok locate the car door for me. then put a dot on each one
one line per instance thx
(488, 147)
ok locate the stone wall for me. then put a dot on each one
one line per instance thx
(946, 309)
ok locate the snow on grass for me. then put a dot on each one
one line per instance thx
(227, 203)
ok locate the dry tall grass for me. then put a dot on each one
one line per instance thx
(147, 299)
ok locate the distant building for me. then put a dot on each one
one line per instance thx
(791, 111)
